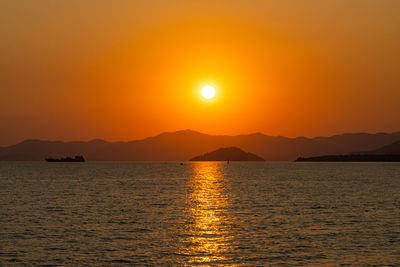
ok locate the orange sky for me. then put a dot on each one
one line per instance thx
(123, 70)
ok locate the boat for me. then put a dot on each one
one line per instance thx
(77, 158)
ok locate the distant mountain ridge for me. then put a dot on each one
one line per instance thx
(186, 144)
(228, 154)
(390, 149)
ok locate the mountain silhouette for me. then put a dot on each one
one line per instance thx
(354, 158)
(387, 153)
(228, 153)
(186, 144)
(391, 149)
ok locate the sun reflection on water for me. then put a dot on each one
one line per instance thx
(208, 238)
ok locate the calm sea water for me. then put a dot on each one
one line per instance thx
(199, 213)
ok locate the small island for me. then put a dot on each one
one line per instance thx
(228, 154)
(352, 158)
(387, 153)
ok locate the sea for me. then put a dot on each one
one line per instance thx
(199, 213)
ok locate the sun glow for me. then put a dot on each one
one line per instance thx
(208, 92)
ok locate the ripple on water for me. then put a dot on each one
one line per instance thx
(199, 214)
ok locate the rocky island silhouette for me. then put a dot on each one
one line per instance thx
(353, 158)
(228, 154)
(387, 153)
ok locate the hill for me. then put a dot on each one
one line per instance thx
(391, 149)
(229, 153)
(353, 158)
(186, 144)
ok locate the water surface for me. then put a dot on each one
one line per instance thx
(206, 213)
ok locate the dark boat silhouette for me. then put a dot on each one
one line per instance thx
(67, 159)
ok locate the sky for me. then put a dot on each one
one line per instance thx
(125, 70)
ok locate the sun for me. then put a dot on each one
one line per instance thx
(208, 92)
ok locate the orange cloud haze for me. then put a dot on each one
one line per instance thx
(123, 70)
